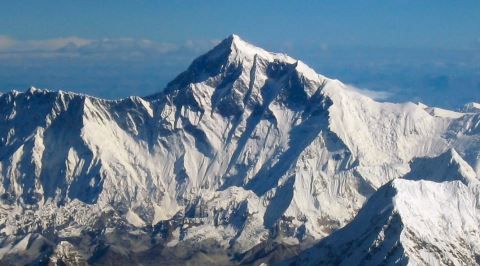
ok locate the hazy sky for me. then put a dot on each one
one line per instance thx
(414, 50)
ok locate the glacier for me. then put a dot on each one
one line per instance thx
(244, 148)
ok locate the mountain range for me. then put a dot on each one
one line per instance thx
(247, 157)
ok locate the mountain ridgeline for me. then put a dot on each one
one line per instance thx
(246, 157)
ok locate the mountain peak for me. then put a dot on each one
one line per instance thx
(231, 57)
(472, 107)
(236, 47)
(449, 166)
(234, 38)
(244, 149)
(238, 44)
(401, 214)
(33, 90)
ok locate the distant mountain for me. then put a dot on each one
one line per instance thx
(243, 149)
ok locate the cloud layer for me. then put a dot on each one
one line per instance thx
(77, 46)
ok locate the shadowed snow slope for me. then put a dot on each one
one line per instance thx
(244, 146)
(407, 223)
(449, 166)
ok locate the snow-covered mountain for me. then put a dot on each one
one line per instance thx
(424, 221)
(245, 146)
(472, 107)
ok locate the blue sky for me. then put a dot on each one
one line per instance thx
(385, 23)
(414, 50)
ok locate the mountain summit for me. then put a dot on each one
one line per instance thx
(245, 147)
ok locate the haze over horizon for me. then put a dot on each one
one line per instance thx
(408, 51)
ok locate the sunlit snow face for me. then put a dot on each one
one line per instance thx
(117, 68)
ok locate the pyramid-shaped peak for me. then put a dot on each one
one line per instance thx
(232, 56)
(240, 44)
(240, 49)
(236, 47)
(235, 38)
(235, 41)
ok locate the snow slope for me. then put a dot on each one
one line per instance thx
(414, 222)
(244, 146)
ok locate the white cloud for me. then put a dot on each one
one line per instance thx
(200, 45)
(8, 44)
(374, 94)
(127, 45)
(77, 46)
(55, 44)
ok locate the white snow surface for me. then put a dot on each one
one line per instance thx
(243, 146)
(411, 222)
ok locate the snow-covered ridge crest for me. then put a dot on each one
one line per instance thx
(407, 223)
(448, 166)
(472, 107)
(428, 217)
(244, 49)
(244, 146)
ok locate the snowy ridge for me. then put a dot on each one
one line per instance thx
(449, 166)
(414, 222)
(244, 146)
(472, 107)
(407, 222)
